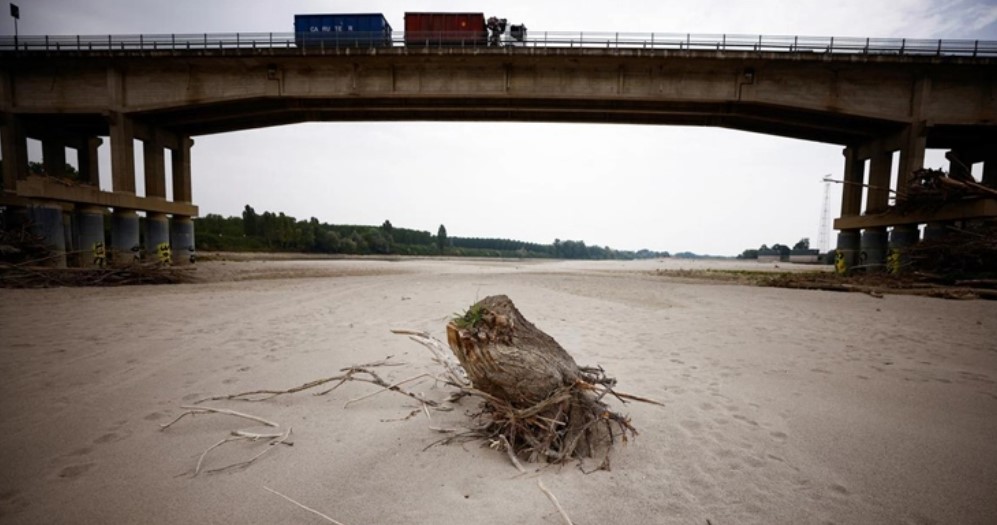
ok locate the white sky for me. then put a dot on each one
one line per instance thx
(705, 190)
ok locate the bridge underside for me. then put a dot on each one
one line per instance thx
(226, 117)
(874, 106)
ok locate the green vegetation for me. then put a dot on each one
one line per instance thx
(469, 319)
(781, 250)
(278, 232)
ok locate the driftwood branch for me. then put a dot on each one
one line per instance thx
(192, 410)
(309, 509)
(553, 499)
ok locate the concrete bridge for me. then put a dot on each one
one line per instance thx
(871, 100)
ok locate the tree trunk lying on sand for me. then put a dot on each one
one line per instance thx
(536, 397)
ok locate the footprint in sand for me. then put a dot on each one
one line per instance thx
(191, 397)
(838, 489)
(112, 437)
(780, 436)
(155, 416)
(75, 471)
(746, 419)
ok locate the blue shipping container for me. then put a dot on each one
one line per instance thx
(342, 30)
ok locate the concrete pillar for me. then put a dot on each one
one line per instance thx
(182, 228)
(878, 198)
(847, 251)
(90, 236)
(157, 238)
(959, 166)
(122, 154)
(873, 249)
(181, 171)
(14, 145)
(155, 170)
(86, 156)
(67, 234)
(54, 158)
(913, 143)
(851, 193)
(182, 240)
(124, 237)
(901, 238)
(990, 170)
(46, 222)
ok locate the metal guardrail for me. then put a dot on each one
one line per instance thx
(552, 39)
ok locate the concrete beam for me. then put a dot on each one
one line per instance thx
(148, 133)
(952, 211)
(42, 188)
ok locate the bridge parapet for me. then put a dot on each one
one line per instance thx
(534, 40)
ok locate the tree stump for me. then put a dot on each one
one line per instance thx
(536, 396)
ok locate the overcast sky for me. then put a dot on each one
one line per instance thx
(672, 188)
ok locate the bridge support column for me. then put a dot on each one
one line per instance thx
(157, 237)
(874, 245)
(901, 238)
(847, 250)
(913, 142)
(155, 170)
(851, 205)
(46, 222)
(182, 228)
(90, 236)
(990, 169)
(182, 240)
(14, 145)
(124, 237)
(54, 158)
(86, 157)
(124, 222)
(874, 240)
(122, 154)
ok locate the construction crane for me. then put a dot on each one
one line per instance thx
(823, 243)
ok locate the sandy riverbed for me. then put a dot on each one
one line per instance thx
(782, 406)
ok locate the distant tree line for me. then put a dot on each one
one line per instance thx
(781, 250)
(269, 231)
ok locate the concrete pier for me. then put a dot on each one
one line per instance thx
(90, 237)
(847, 250)
(901, 238)
(157, 238)
(874, 245)
(124, 237)
(46, 222)
(182, 240)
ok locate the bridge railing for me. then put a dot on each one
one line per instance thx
(552, 39)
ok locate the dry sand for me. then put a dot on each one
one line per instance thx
(782, 406)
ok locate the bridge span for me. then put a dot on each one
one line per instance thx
(873, 100)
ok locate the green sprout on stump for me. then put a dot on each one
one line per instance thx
(469, 319)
